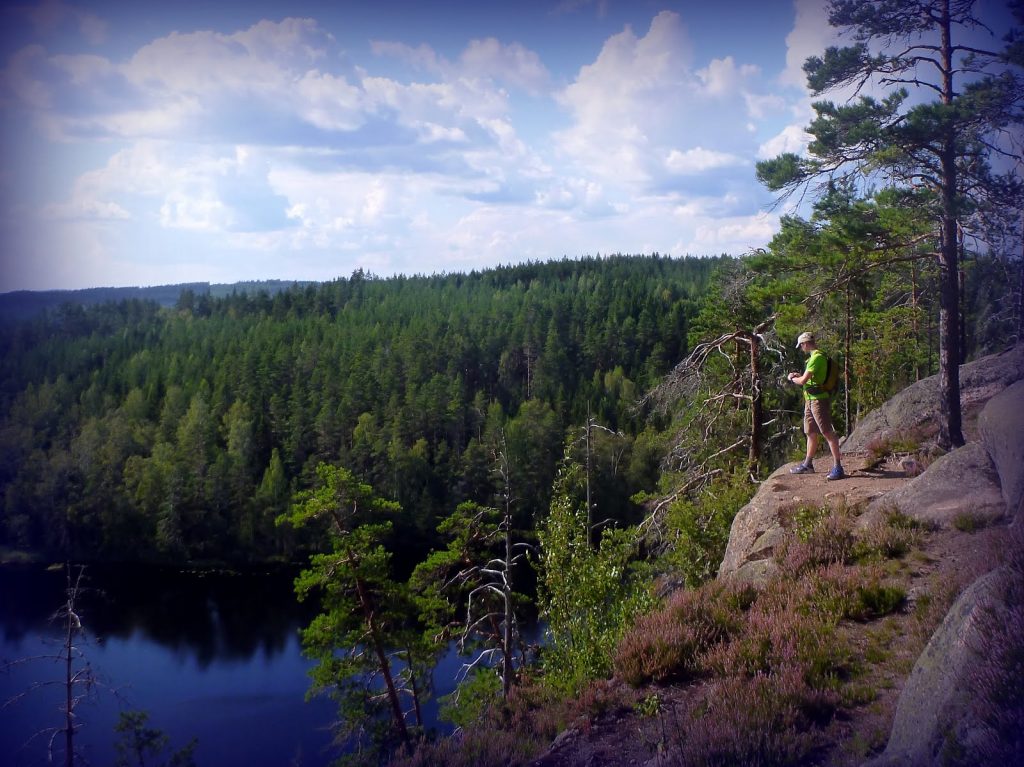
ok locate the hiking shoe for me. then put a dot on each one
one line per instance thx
(802, 468)
(836, 473)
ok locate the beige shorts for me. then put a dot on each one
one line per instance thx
(818, 417)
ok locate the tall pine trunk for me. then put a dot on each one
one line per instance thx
(950, 427)
(1020, 294)
(382, 661)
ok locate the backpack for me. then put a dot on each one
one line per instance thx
(831, 382)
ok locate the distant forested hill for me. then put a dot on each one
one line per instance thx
(135, 429)
(24, 304)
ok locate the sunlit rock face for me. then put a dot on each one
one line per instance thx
(1001, 425)
(916, 408)
(963, 482)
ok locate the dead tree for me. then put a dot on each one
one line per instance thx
(481, 563)
(78, 682)
(716, 396)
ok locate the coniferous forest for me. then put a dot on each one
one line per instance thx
(132, 432)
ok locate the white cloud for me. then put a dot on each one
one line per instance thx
(329, 102)
(640, 101)
(421, 57)
(271, 145)
(722, 76)
(760, 106)
(735, 235)
(186, 84)
(85, 208)
(198, 210)
(345, 209)
(810, 35)
(793, 138)
(512, 64)
(622, 101)
(263, 58)
(22, 79)
(700, 160)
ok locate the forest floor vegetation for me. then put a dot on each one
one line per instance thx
(806, 669)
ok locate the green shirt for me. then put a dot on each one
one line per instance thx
(817, 364)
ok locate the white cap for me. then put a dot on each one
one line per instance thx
(804, 337)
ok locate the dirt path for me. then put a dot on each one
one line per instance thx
(865, 481)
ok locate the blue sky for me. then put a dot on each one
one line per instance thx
(150, 143)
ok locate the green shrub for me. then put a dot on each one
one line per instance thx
(900, 521)
(649, 706)
(806, 519)
(468, 704)
(968, 522)
(698, 529)
(589, 596)
(876, 600)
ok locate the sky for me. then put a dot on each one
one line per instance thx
(154, 143)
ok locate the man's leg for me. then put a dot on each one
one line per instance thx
(833, 446)
(812, 431)
(812, 447)
(821, 411)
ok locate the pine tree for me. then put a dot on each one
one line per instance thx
(947, 145)
(363, 609)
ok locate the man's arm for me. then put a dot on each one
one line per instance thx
(798, 379)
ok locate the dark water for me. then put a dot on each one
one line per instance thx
(211, 656)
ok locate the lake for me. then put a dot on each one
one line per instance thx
(206, 655)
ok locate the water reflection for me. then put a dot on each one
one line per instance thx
(206, 616)
(214, 656)
(210, 656)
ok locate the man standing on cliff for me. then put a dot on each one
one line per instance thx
(817, 408)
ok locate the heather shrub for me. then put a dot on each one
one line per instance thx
(856, 593)
(783, 631)
(533, 707)
(602, 696)
(761, 720)
(479, 747)
(822, 536)
(670, 643)
(831, 591)
(514, 731)
(889, 538)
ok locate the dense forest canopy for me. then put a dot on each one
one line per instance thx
(135, 431)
